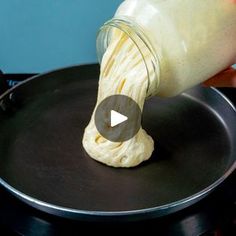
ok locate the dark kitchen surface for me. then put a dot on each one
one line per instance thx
(215, 215)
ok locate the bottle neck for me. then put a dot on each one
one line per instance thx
(138, 37)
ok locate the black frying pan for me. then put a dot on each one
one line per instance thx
(43, 162)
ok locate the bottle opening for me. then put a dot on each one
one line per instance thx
(136, 35)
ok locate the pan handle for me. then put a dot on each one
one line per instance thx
(5, 103)
(6, 82)
(3, 83)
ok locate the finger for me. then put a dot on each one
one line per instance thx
(226, 78)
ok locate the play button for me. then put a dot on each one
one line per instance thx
(118, 118)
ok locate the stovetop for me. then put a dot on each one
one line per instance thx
(214, 215)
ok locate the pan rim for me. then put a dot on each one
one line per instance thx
(183, 203)
(141, 213)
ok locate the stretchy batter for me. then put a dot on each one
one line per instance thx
(122, 72)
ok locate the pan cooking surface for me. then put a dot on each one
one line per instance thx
(42, 160)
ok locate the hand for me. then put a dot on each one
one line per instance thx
(227, 78)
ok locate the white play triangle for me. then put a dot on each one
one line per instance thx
(117, 118)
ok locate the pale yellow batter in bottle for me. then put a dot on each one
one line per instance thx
(158, 47)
